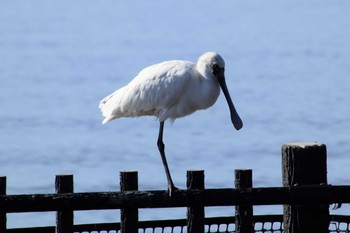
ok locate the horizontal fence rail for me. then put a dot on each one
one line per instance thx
(182, 198)
(262, 223)
(213, 224)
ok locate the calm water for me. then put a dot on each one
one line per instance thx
(287, 67)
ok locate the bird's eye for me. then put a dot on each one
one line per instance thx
(216, 69)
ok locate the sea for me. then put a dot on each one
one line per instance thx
(287, 69)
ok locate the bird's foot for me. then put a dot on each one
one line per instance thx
(337, 206)
(172, 190)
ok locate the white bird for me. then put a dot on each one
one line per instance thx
(170, 90)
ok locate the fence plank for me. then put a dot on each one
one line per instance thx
(64, 218)
(195, 213)
(129, 216)
(305, 164)
(3, 219)
(244, 213)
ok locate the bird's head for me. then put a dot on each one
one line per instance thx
(212, 64)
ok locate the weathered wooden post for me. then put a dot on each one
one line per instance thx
(129, 216)
(244, 213)
(64, 218)
(305, 163)
(3, 219)
(195, 214)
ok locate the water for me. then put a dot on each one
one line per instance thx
(287, 67)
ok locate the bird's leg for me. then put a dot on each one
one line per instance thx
(171, 186)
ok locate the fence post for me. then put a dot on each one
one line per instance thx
(3, 219)
(195, 214)
(244, 213)
(305, 164)
(129, 216)
(64, 218)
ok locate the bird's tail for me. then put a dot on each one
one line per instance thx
(108, 119)
(109, 106)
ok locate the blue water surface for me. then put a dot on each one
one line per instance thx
(287, 68)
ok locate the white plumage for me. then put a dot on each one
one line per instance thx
(167, 90)
(170, 90)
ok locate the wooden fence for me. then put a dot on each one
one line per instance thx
(305, 194)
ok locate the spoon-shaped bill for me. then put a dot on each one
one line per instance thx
(236, 120)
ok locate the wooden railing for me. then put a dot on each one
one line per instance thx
(305, 194)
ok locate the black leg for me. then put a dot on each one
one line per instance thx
(171, 186)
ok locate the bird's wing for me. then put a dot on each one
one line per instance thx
(154, 91)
